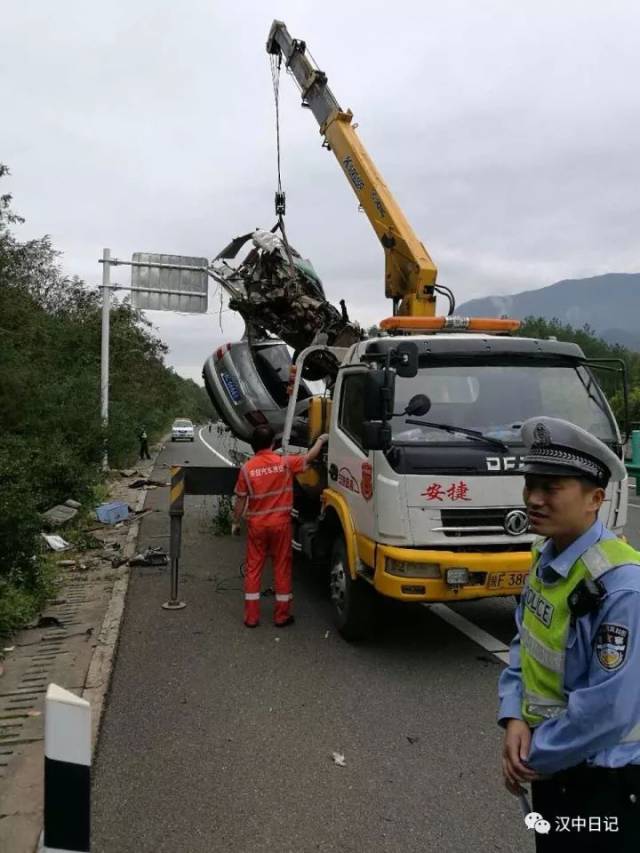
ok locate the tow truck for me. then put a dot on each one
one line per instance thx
(419, 495)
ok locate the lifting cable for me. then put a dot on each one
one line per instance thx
(280, 197)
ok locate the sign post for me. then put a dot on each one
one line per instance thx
(158, 283)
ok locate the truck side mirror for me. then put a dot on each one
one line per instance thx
(405, 359)
(379, 390)
(418, 405)
(376, 435)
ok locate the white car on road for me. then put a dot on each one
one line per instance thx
(182, 430)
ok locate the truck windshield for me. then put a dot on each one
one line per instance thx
(496, 399)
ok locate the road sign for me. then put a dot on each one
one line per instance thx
(169, 283)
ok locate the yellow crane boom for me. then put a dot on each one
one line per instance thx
(410, 274)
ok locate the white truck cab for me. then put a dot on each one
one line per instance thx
(433, 509)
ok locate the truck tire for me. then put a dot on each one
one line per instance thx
(353, 600)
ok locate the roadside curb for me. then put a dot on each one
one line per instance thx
(98, 678)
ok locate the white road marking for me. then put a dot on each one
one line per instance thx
(482, 638)
(213, 450)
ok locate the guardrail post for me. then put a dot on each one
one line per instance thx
(67, 772)
(176, 512)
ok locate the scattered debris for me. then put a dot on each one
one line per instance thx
(338, 759)
(48, 622)
(326, 636)
(277, 639)
(151, 557)
(8, 648)
(73, 504)
(112, 512)
(146, 483)
(56, 543)
(68, 564)
(412, 739)
(59, 515)
(128, 472)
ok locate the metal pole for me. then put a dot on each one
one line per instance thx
(176, 511)
(104, 355)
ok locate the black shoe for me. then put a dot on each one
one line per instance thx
(288, 621)
(251, 624)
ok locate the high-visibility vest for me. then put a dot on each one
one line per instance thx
(268, 479)
(545, 629)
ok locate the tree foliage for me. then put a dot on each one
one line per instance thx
(51, 436)
(596, 348)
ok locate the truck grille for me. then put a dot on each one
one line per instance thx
(477, 522)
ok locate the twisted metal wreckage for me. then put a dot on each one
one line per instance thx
(278, 292)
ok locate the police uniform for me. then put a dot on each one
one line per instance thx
(574, 665)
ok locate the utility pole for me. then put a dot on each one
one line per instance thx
(104, 354)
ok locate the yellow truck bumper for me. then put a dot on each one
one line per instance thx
(490, 573)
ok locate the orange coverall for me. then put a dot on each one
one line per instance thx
(266, 480)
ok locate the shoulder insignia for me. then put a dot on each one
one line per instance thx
(612, 642)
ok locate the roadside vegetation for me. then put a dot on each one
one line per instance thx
(51, 437)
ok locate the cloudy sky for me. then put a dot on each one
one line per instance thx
(508, 131)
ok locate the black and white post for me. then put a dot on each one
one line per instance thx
(67, 772)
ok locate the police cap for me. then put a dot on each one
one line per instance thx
(558, 448)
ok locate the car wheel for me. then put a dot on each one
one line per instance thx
(353, 600)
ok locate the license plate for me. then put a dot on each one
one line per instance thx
(506, 580)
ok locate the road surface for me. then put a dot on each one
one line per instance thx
(217, 738)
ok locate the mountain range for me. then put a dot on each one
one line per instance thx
(609, 304)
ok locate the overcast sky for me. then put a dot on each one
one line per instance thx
(508, 131)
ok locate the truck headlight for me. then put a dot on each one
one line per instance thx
(457, 577)
(404, 569)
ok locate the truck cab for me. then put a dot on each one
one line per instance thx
(437, 513)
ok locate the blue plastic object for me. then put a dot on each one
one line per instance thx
(113, 512)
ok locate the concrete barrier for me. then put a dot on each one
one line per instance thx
(67, 772)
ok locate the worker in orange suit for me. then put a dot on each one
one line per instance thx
(264, 496)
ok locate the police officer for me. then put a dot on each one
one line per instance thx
(264, 496)
(570, 697)
(144, 444)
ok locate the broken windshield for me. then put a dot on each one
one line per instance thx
(496, 399)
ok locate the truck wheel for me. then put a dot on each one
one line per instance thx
(353, 600)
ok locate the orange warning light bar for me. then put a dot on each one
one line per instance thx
(449, 324)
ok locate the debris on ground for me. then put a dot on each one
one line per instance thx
(47, 622)
(128, 472)
(146, 482)
(68, 564)
(59, 515)
(338, 759)
(73, 504)
(56, 543)
(151, 557)
(412, 740)
(112, 512)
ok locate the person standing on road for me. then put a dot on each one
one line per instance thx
(570, 697)
(264, 495)
(144, 444)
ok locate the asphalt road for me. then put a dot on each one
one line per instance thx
(217, 738)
